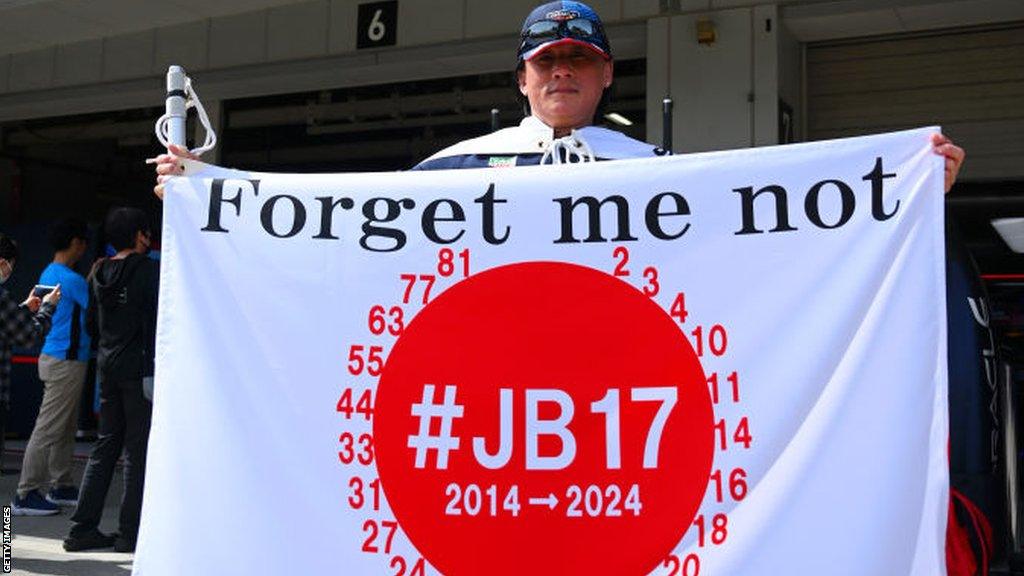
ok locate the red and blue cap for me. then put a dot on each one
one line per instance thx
(563, 22)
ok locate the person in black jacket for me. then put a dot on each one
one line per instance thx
(123, 317)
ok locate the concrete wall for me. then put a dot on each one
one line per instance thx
(725, 93)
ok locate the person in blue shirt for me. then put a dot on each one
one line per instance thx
(46, 467)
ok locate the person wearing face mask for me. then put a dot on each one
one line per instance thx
(123, 293)
(21, 324)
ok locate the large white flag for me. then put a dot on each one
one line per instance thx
(716, 364)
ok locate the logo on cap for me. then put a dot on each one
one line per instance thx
(561, 15)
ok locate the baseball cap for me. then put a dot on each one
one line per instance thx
(562, 22)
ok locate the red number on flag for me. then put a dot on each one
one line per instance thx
(370, 544)
(688, 567)
(399, 565)
(365, 404)
(355, 360)
(718, 340)
(719, 529)
(737, 484)
(622, 253)
(742, 434)
(373, 363)
(464, 256)
(429, 279)
(397, 321)
(375, 488)
(445, 262)
(348, 453)
(733, 379)
(678, 309)
(356, 499)
(652, 288)
(365, 456)
(410, 280)
(391, 526)
(377, 322)
(345, 403)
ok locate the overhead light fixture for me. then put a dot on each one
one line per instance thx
(1012, 232)
(618, 119)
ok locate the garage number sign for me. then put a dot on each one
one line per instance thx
(378, 23)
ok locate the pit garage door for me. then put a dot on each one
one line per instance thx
(970, 81)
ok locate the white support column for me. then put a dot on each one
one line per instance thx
(791, 78)
(725, 91)
(659, 75)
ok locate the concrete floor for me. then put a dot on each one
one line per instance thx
(36, 541)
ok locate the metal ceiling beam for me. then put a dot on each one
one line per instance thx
(406, 105)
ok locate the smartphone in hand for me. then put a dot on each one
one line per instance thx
(41, 290)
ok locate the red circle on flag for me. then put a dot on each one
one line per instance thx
(604, 452)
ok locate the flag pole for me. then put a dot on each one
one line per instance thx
(175, 105)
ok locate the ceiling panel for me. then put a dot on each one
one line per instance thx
(26, 28)
(30, 24)
(122, 15)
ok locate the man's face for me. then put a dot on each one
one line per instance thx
(143, 241)
(564, 85)
(6, 269)
(78, 246)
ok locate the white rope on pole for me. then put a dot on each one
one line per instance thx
(170, 128)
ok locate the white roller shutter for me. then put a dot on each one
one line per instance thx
(969, 81)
